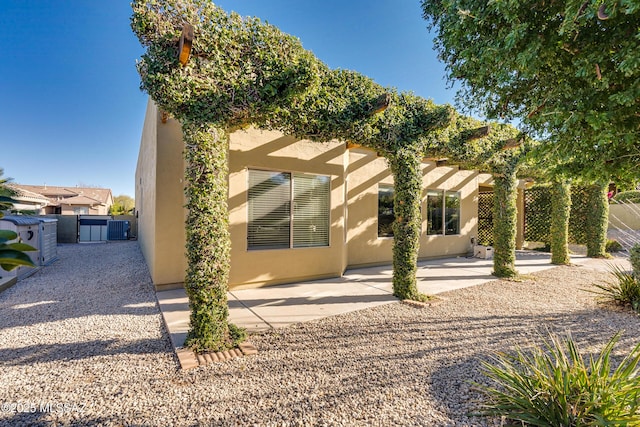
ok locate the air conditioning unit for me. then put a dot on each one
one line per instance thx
(117, 230)
(484, 252)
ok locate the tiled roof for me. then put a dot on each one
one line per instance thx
(57, 194)
(80, 200)
(23, 194)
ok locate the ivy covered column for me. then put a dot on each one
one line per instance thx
(407, 176)
(560, 210)
(207, 235)
(597, 221)
(505, 221)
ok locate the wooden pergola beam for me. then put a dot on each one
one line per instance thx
(186, 41)
(380, 104)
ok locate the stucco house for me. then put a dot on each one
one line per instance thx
(47, 199)
(299, 210)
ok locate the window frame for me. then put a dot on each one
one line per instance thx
(387, 187)
(291, 209)
(444, 216)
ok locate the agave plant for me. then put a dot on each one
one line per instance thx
(624, 291)
(555, 385)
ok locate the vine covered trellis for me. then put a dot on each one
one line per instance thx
(215, 72)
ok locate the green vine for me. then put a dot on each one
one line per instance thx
(504, 223)
(243, 71)
(405, 167)
(207, 235)
(559, 230)
(597, 220)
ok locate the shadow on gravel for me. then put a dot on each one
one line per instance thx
(43, 311)
(86, 280)
(411, 362)
(79, 350)
(60, 416)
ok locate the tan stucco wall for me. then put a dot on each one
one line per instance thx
(624, 216)
(354, 203)
(451, 179)
(160, 198)
(254, 149)
(366, 172)
(145, 197)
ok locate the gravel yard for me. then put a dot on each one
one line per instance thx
(82, 343)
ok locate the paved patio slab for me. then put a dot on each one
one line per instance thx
(279, 306)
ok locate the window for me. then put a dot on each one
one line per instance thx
(385, 211)
(81, 210)
(287, 210)
(443, 212)
(434, 212)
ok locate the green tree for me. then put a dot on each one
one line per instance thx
(568, 71)
(122, 205)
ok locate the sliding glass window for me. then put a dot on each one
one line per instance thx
(287, 210)
(443, 212)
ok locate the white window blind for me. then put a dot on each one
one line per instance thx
(269, 221)
(310, 210)
(286, 210)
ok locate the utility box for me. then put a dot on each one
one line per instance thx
(117, 230)
(484, 252)
(48, 240)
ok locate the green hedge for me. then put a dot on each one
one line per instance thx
(559, 230)
(597, 220)
(504, 224)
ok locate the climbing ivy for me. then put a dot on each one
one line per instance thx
(505, 220)
(559, 230)
(597, 220)
(243, 71)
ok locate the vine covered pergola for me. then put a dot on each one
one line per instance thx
(217, 72)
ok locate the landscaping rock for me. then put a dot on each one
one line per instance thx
(82, 341)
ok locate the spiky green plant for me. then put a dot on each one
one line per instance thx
(554, 385)
(625, 290)
(634, 259)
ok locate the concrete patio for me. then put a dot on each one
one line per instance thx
(265, 308)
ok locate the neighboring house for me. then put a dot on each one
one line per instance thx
(298, 210)
(26, 200)
(64, 200)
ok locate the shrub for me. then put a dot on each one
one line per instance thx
(634, 258)
(632, 196)
(624, 291)
(555, 386)
(613, 245)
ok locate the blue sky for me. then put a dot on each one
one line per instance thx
(71, 110)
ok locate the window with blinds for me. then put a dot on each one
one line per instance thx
(287, 210)
(269, 225)
(310, 210)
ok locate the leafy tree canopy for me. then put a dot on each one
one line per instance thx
(122, 205)
(569, 71)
